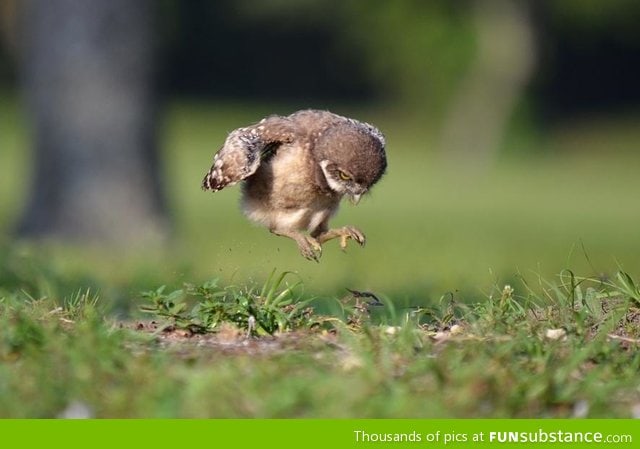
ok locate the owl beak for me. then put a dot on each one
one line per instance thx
(355, 198)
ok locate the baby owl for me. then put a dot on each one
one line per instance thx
(296, 169)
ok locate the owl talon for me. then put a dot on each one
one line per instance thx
(349, 232)
(355, 234)
(310, 248)
(344, 234)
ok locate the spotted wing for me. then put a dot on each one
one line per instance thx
(245, 149)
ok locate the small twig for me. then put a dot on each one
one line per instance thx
(358, 294)
(625, 339)
(54, 311)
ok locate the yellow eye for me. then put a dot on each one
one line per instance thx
(344, 176)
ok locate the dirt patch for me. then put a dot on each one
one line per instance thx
(229, 340)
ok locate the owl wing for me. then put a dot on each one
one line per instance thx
(245, 149)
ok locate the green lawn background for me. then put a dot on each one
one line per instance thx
(564, 198)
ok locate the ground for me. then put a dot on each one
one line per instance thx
(567, 351)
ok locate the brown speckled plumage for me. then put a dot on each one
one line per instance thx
(296, 169)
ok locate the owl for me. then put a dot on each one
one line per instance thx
(295, 170)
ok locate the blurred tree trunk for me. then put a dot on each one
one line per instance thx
(504, 63)
(87, 72)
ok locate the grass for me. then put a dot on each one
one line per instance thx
(545, 349)
(266, 312)
(213, 327)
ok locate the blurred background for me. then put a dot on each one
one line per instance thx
(513, 132)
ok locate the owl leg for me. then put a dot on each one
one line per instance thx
(344, 233)
(309, 247)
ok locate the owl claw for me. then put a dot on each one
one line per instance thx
(310, 248)
(344, 234)
(349, 232)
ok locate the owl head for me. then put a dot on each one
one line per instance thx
(352, 158)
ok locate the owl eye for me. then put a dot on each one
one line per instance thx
(344, 176)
